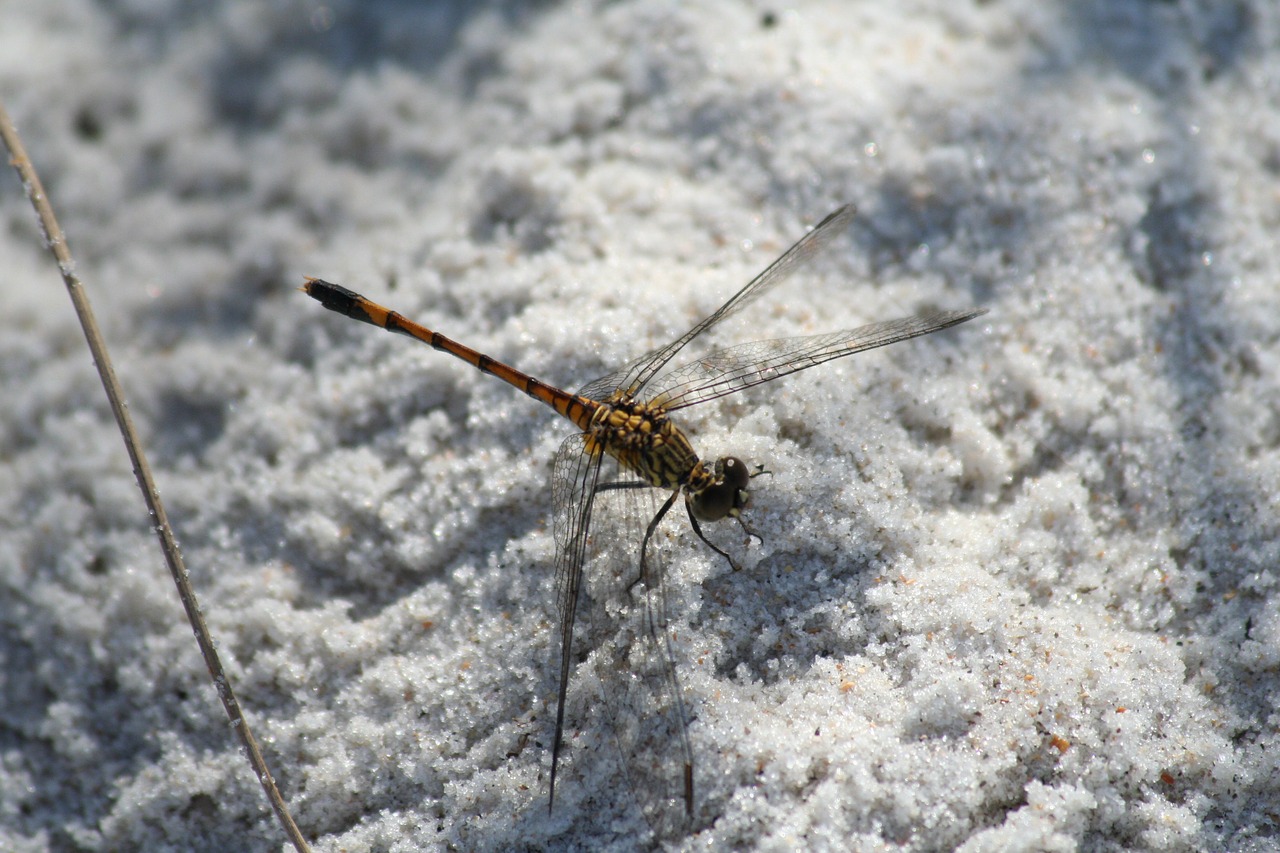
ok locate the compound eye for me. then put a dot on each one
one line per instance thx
(727, 495)
(734, 472)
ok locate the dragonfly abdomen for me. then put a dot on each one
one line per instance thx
(337, 298)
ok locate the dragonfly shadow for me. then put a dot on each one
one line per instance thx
(779, 614)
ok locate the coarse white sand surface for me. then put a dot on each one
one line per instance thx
(1015, 586)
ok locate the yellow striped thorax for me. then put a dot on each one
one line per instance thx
(644, 441)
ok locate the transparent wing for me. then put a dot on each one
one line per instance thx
(636, 660)
(634, 376)
(600, 524)
(731, 369)
(573, 487)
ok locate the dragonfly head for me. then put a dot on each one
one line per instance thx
(727, 494)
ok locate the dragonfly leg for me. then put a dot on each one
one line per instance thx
(644, 545)
(698, 530)
(751, 534)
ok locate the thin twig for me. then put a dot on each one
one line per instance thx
(57, 244)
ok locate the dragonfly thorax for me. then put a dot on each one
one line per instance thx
(644, 441)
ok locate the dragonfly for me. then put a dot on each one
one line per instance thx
(628, 416)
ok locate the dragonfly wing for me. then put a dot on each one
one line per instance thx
(573, 487)
(636, 375)
(600, 524)
(624, 377)
(636, 658)
(725, 371)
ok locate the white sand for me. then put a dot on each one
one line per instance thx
(1018, 584)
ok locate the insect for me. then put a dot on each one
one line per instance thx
(627, 416)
